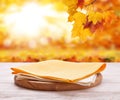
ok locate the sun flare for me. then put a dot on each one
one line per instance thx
(32, 20)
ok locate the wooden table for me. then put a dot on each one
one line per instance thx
(108, 90)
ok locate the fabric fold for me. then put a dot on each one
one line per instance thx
(60, 70)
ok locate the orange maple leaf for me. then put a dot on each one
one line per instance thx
(80, 3)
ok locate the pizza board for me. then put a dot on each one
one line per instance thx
(53, 86)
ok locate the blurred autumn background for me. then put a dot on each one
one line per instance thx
(37, 30)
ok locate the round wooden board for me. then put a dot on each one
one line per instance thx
(54, 86)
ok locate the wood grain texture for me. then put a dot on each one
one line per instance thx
(108, 90)
(27, 82)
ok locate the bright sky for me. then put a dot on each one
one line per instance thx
(33, 20)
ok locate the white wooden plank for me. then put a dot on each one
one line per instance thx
(108, 90)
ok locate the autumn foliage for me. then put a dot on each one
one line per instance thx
(96, 27)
